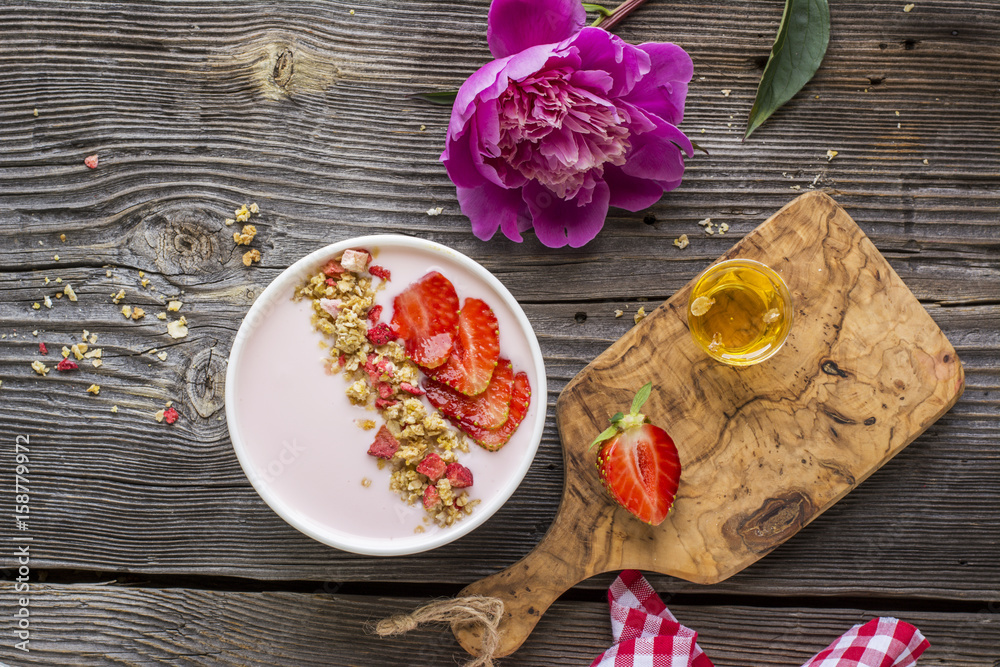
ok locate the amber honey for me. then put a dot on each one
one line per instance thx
(740, 312)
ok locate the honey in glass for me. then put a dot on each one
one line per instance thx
(740, 312)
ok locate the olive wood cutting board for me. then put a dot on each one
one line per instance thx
(764, 449)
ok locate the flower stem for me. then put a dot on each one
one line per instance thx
(618, 15)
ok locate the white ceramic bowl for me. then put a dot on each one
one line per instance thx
(307, 459)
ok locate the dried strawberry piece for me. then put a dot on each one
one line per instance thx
(379, 272)
(356, 260)
(170, 415)
(66, 365)
(385, 445)
(333, 269)
(433, 466)
(410, 389)
(331, 282)
(431, 497)
(91, 161)
(385, 390)
(42, 349)
(459, 476)
(374, 313)
(381, 403)
(380, 334)
(342, 360)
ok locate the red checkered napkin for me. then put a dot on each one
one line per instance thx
(647, 635)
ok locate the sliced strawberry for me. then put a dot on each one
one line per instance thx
(476, 352)
(489, 410)
(431, 497)
(385, 444)
(458, 475)
(433, 466)
(425, 316)
(520, 399)
(640, 469)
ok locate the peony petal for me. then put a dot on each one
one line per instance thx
(631, 193)
(600, 50)
(489, 207)
(515, 25)
(656, 155)
(489, 76)
(664, 89)
(559, 222)
(459, 162)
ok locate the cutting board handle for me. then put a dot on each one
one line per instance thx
(531, 585)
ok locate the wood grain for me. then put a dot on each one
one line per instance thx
(195, 109)
(765, 449)
(100, 625)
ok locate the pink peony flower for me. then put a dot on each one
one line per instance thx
(568, 121)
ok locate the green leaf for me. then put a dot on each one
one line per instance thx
(795, 56)
(608, 433)
(617, 417)
(442, 97)
(698, 148)
(590, 7)
(641, 397)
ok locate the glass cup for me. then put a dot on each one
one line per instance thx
(740, 312)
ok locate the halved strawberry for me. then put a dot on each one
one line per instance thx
(477, 350)
(488, 410)
(425, 316)
(638, 464)
(520, 399)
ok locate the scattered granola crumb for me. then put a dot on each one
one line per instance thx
(365, 482)
(158, 415)
(245, 236)
(39, 367)
(68, 291)
(925, 161)
(62, 237)
(423, 127)
(435, 210)
(114, 409)
(36, 306)
(144, 282)
(723, 227)
(640, 315)
(59, 280)
(682, 241)
(93, 338)
(115, 298)
(831, 154)
(127, 311)
(35, 112)
(794, 187)
(65, 351)
(46, 279)
(725, 92)
(230, 221)
(107, 273)
(138, 313)
(242, 213)
(908, 8)
(251, 256)
(619, 312)
(365, 424)
(418, 530)
(161, 316)
(352, 12)
(94, 389)
(701, 305)
(174, 306)
(162, 356)
(47, 301)
(78, 350)
(178, 328)
(96, 363)
(35, 332)
(56, 257)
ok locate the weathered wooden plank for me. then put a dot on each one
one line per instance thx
(112, 625)
(123, 493)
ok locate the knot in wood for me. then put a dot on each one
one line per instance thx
(206, 381)
(184, 241)
(776, 520)
(284, 67)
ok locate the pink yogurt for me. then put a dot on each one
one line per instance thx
(296, 432)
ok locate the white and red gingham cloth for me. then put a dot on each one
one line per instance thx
(647, 635)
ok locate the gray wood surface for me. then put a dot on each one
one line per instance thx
(107, 625)
(196, 108)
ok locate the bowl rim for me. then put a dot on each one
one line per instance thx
(403, 545)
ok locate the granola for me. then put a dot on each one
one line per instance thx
(379, 375)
